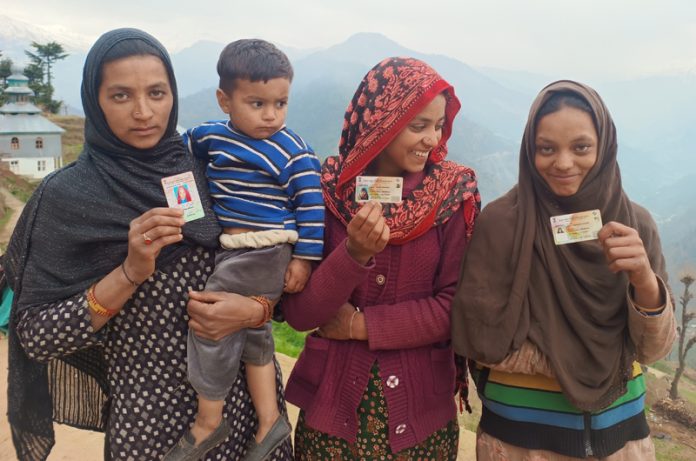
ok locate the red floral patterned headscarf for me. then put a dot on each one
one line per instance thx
(388, 98)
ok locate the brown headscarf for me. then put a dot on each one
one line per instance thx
(388, 98)
(516, 284)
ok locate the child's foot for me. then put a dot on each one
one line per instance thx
(266, 423)
(188, 448)
(258, 451)
(202, 428)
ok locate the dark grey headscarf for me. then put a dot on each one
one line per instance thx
(73, 232)
(81, 228)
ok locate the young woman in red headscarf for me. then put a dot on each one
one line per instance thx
(376, 378)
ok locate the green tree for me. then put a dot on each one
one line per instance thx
(5, 71)
(35, 74)
(44, 57)
(685, 342)
(5, 68)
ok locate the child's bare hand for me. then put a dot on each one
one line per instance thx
(296, 275)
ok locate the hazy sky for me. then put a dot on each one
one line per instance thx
(583, 38)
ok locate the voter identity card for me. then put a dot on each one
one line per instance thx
(576, 227)
(385, 189)
(181, 192)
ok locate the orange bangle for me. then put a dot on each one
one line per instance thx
(267, 309)
(96, 307)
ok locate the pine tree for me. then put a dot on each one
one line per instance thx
(43, 58)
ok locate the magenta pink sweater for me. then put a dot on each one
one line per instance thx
(405, 294)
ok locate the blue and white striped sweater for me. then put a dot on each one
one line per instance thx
(261, 184)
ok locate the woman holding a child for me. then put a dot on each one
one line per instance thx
(376, 379)
(104, 274)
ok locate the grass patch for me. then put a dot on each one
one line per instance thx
(70, 153)
(5, 217)
(668, 450)
(73, 139)
(3, 222)
(288, 341)
(18, 186)
(469, 421)
(663, 367)
(687, 394)
(687, 377)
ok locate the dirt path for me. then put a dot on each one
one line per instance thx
(16, 205)
(658, 374)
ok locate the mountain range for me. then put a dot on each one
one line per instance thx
(655, 116)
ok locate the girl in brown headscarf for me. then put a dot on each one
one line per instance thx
(558, 330)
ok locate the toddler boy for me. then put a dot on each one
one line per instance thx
(264, 182)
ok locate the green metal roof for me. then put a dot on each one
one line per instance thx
(28, 124)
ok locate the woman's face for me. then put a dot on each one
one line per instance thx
(136, 99)
(409, 151)
(566, 149)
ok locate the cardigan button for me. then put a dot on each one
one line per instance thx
(380, 279)
(392, 381)
(400, 429)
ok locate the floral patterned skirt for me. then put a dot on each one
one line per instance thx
(372, 441)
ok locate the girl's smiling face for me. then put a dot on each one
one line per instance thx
(565, 149)
(409, 151)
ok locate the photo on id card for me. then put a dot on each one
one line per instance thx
(181, 192)
(385, 189)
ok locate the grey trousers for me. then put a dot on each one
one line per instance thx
(213, 365)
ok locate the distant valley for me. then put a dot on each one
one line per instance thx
(655, 116)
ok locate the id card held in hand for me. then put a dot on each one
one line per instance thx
(181, 192)
(385, 189)
(576, 227)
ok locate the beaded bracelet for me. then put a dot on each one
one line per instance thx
(96, 306)
(267, 309)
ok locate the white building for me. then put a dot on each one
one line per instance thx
(30, 144)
